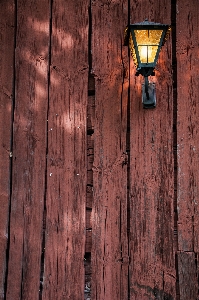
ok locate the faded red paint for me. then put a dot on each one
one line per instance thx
(67, 152)
(6, 90)
(187, 150)
(29, 143)
(91, 170)
(152, 174)
(109, 217)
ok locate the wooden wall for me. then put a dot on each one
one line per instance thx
(99, 198)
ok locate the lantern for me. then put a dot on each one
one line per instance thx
(145, 40)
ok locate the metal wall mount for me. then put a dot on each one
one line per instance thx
(148, 94)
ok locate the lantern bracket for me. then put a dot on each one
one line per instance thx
(145, 72)
(148, 94)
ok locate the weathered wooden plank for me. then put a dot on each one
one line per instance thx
(152, 269)
(7, 30)
(188, 279)
(188, 124)
(67, 152)
(29, 150)
(109, 214)
(187, 145)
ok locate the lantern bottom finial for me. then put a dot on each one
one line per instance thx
(148, 94)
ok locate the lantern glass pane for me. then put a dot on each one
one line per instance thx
(147, 53)
(132, 48)
(148, 42)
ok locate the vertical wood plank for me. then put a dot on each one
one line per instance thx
(29, 150)
(109, 215)
(188, 281)
(7, 30)
(188, 150)
(188, 122)
(152, 269)
(67, 152)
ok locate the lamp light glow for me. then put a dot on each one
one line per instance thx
(148, 42)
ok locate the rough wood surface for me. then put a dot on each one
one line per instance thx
(109, 217)
(187, 125)
(152, 269)
(29, 150)
(188, 279)
(70, 91)
(187, 146)
(7, 31)
(67, 153)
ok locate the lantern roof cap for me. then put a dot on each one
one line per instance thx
(146, 22)
(146, 25)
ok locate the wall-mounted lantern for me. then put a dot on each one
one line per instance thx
(145, 40)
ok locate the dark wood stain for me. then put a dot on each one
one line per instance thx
(188, 281)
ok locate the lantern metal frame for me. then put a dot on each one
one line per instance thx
(145, 69)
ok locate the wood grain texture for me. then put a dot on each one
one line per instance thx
(187, 148)
(188, 279)
(67, 153)
(7, 29)
(29, 150)
(60, 110)
(187, 125)
(152, 269)
(109, 215)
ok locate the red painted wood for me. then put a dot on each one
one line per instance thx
(67, 152)
(71, 188)
(29, 150)
(188, 122)
(7, 10)
(188, 279)
(109, 216)
(152, 268)
(187, 150)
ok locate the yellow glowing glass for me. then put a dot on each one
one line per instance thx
(132, 48)
(147, 42)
